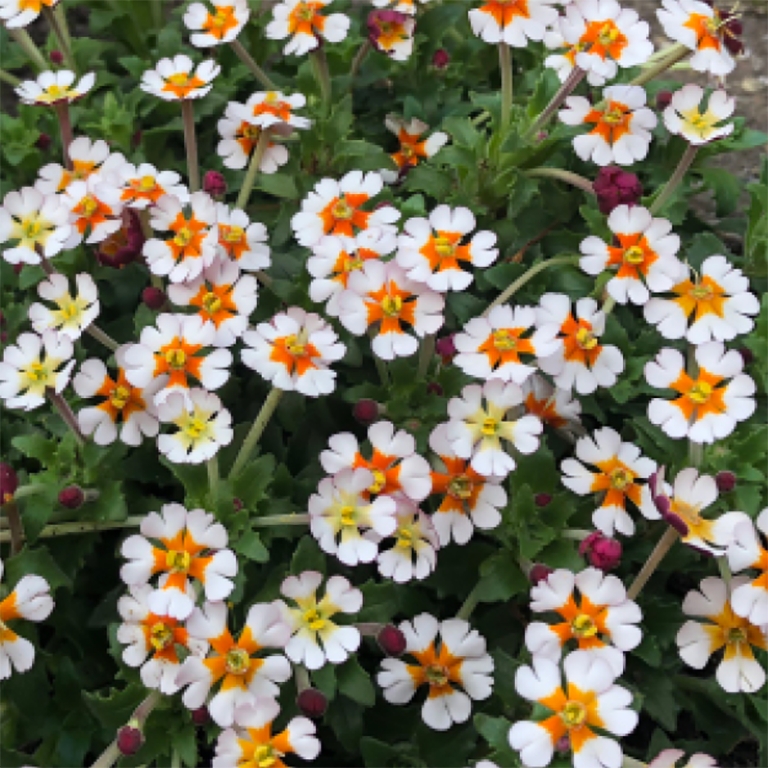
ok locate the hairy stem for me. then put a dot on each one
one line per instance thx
(67, 529)
(660, 550)
(426, 353)
(15, 528)
(562, 175)
(190, 142)
(256, 70)
(7, 77)
(65, 128)
(323, 77)
(473, 598)
(212, 465)
(252, 438)
(675, 179)
(253, 170)
(62, 406)
(53, 20)
(676, 53)
(357, 62)
(505, 65)
(31, 51)
(565, 90)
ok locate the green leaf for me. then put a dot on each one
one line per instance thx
(278, 184)
(113, 709)
(184, 742)
(37, 561)
(355, 682)
(501, 578)
(307, 557)
(250, 546)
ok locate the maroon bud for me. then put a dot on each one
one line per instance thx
(215, 184)
(391, 640)
(539, 572)
(17, 268)
(200, 716)
(3, 337)
(615, 186)
(563, 744)
(43, 141)
(129, 740)
(602, 552)
(56, 57)
(9, 482)
(663, 100)
(72, 497)
(153, 297)
(726, 481)
(366, 411)
(676, 522)
(237, 504)
(441, 58)
(312, 703)
(433, 388)
(747, 355)
(542, 499)
(445, 348)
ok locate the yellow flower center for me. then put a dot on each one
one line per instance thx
(194, 428)
(304, 12)
(234, 234)
(620, 478)
(161, 636)
(444, 246)
(406, 150)
(503, 340)
(348, 516)
(405, 538)
(700, 392)
(36, 372)
(436, 674)
(180, 78)
(490, 427)
(211, 302)
(342, 210)
(586, 339)
(69, 308)
(176, 358)
(56, 91)
(379, 481)
(314, 620)
(392, 305)
(736, 635)
(251, 131)
(689, 514)
(634, 255)
(460, 487)
(264, 756)
(237, 661)
(31, 228)
(352, 263)
(146, 183)
(177, 560)
(183, 236)
(583, 626)
(271, 97)
(613, 116)
(89, 205)
(701, 292)
(220, 19)
(120, 396)
(608, 35)
(296, 346)
(573, 714)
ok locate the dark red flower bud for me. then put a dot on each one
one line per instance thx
(663, 100)
(43, 142)
(3, 337)
(56, 57)
(201, 716)
(366, 411)
(391, 640)
(441, 58)
(726, 481)
(312, 703)
(215, 184)
(539, 572)
(237, 504)
(602, 552)
(153, 297)
(72, 497)
(433, 388)
(542, 499)
(17, 268)
(9, 482)
(747, 355)
(129, 740)
(446, 348)
(615, 186)
(541, 135)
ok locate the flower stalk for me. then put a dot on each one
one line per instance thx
(253, 170)
(565, 90)
(7, 77)
(212, 466)
(190, 142)
(469, 605)
(54, 20)
(323, 77)
(62, 406)
(674, 180)
(676, 53)
(255, 69)
(65, 128)
(660, 550)
(562, 175)
(357, 62)
(24, 41)
(426, 353)
(259, 425)
(15, 530)
(505, 65)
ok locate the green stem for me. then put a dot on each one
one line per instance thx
(357, 62)
(65, 128)
(320, 68)
(156, 8)
(15, 528)
(253, 170)
(212, 465)
(565, 90)
(32, 52)
(61, 405)
(259, 425)
(7, 77)
(676, 52)
(62, 19)
(575, 534)
(426, 353)
(562, 175)
(301, 675)
(674, 179)
(505, 65)
(256, 70)
(53, 20)
(526, 276)
(96, 332)
(725, 571)
(660, 550)
(67, 529)
(293, 518)
(190, 142)
(175, 759)
(608, 306)
(473, 598)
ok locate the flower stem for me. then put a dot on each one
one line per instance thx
(567, 176)
(725, 571)
(61, 15)
(473, 598)
(293, 518)
(357, 62)
(526, 276)
(565, 90)
(676, 52)
(426, 353)
(32, 52)
(7, 77)
(257, 71)
(61, 405)
(15, 528)
(575, 534)
(608, 306)
(65, 128)
(53, 20)
(675, 178)
(252, 438)
(660, 550)
(253, 170)
(505, 65)
(301, 675)
(212, 465)
(320, 68)
(66, 529)
(190, 142)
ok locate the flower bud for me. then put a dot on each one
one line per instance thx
(56, 57)
(441, 59)
(214, 184)
(201, 716)
(72, 497)
(18, 267)
(3, 337)
(237, 504)
(153, 297)
(663, 100)
(542, 499)
(129, 740)
(539, 572)
(43, 142)
(615, 186)
(445, 348)
(9, 482)
(312, 703)
(366, 411)
(391, 640)
(433, 388)
(602, 552)
(726, 481)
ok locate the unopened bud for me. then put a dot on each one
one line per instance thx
(312, 703)
(542, 499)
(539, 572)
(237, 504)
(441, 58)
(201, 716)
(43, 142)
(56, 57)
(391, 640)
(366, 411)
(72, 497)
(214, 184)
(129, 740)
(614, 186)
(663, 100)
(726, 481)
(9, 482)
(17, 268)
(445, 348)
(602, 552)
(433, 388)
(153, 297)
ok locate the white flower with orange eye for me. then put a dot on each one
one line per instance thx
(414, 552)
(747, 550)
(19, 13)
(94, 208)
(273, 109)
(294, 351)
(336, 208)
(204, 426)
(413, 149)
(310, 620)
(143, 185)
(430, 250)
(644, 259)
(152, 639)
(685, 118)
(336, 257)
(222, 296)
(618, 479)
(190, 243)
(476, 430)
(717, 304)
(582, 362)
(239, 137)
(72, 314)
(396, 467)
(33, 365)
(469, 500)
(241, 240)
(87, 158)
(193, 548)
(564, 62)
(381, 295)
(600, 619)
(513, 22)
(621, 131)
(341, 511)
(251, 743)
(739, 671)
(700, 27)
(177, 79)
(457, 669)
(35, 221)
(401, 6)
(120, 402)
(240, 666)
(52, 88)
(494, 347)
(175, 348)
(555, 407)
(31, 600)
(589, 700)
(668, 758)
(391, 32)
(711, 403)
(303, 22)
(222, 25)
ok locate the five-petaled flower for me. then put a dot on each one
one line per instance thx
(413, 149)
(87, 158)
(222, 25)
(513, 22)
(177, 79)
(745, 551)
(53, 88)
(143, 185)
(73, 314)
(556, 408)
(684, 116)
(240, 135)
(241, 240)
(94, 207)
(303, 22)
(391, 32)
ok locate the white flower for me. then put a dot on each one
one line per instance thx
(241, 240)
(19, 13)
(582, 362)
(294, 351)
(204, 426)
(72, 314)
(401, 6)
(302, 22)
(380, 294)
(476, 431)
(709, 406)
(239, 137)
(716, 303)
(589, 700)
(392, 35)
(341, 511)
(668, 758)
(513, 23)
(33, 220)
(193, 548)
(430, 250)
(30, 599)
(555, 407)
(739, 671)
(54, 87)
(222, 25)
(601, 619)
(412, 148)
(143, 185)
(87, 158)
(174, 79)
(457, 670)
(32, 365)
(311, 623)
(274, 109)
(240, 667)
(94, 207)
(563, 63)
(746, 550)
(684, 116)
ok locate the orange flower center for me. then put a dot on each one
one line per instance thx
(161, 636)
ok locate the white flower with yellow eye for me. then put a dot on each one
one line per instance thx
(54, 87)
(73, 314)
(685, 117)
